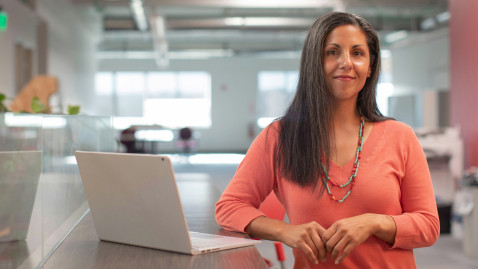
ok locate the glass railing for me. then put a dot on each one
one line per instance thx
(41, 194)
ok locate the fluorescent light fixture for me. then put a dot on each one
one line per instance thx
(201, 54)
(126, 55)
(158, 30)
(287, 22)
(183, 54)
(443, 17)
(159, 24)
(306, 4)
(396, 36)
(139, 15)
(268, 22)
(234, 21)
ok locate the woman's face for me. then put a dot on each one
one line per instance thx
(346, 61)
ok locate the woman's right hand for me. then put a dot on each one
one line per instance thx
(306, 237)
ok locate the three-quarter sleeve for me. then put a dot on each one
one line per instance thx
(254, 179)
(418, 225)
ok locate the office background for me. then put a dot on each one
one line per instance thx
(244, 70)
(74, 40)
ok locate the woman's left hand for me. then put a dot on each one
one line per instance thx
(346, 234)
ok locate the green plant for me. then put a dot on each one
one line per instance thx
(73, 110)
(38, 106)
(3, 108)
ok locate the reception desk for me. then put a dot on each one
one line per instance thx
(83, 249)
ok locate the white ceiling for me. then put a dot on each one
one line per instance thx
(243, 27)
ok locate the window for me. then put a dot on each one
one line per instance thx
(129, 83)
(178, 85)
(276, 90)
(179, 99)
(161, 84)
(129, 98)
(171, 99)
(104, 87)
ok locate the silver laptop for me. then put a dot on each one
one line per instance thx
(134, 200)
(19, 175)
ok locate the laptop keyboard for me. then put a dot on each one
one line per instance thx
(206, 242)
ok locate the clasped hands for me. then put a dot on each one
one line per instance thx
(338, 240)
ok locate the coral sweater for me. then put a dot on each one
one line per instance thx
(393, 179)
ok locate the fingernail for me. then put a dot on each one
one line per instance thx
(316, 262)
(324, 259)
(337, 261)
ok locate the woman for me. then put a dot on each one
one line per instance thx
(355, 185)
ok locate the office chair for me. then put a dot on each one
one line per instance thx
(186, 141)
(272, 207)
(128, 139)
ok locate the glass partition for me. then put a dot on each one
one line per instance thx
(41, 194)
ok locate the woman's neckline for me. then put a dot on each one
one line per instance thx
(367, 137)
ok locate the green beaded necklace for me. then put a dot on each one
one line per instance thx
(351, 180)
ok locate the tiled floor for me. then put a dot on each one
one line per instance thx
(446, 253)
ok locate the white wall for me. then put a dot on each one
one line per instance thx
(234, 92)
(72, 37)
(421, 63)
(73, 33)
(21, 29)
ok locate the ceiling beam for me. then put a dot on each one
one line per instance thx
(336, 4)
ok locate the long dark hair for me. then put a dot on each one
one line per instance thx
(304, 142)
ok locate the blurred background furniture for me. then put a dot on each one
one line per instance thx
(186, 140)
(145, 138)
